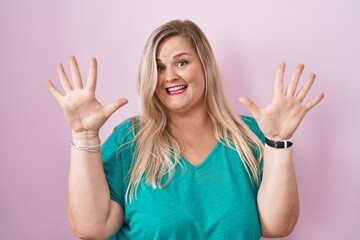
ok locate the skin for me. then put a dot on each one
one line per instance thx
(179, 65)
(278, 199)
(91, 212)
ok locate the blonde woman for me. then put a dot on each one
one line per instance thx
(187, 167)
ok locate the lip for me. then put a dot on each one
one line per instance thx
(176, 90)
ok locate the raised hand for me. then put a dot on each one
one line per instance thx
(82, 110)
(282, 116)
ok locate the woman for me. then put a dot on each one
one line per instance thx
(187, 167)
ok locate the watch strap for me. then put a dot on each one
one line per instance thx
(278, 144)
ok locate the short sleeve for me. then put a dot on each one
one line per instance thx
(116, 163)
(252, 124)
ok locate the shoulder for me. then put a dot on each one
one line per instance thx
(126, 125)
(122, 133)
(250, 122)
(254, 127)
(127, 128)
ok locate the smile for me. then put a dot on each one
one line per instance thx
(176, 89)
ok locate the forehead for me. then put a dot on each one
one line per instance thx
(173, 46)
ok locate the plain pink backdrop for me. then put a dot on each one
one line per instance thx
(249, 38)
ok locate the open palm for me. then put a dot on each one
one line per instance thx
(282, 116)
(82, 110)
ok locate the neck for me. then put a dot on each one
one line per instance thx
(191, 126)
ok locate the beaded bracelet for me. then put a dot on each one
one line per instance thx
(93, 149)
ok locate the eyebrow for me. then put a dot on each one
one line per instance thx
(176, 56)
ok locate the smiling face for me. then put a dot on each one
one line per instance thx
(181, 81)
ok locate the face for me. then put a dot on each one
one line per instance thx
(181, 81)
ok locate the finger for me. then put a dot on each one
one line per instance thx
(63, 78)
(314, 102)
(305, 89)
(111, 108)
(75, 72)
(250, 105)
(278, 87)
(294, 80)
(91, 82)
(53, 90)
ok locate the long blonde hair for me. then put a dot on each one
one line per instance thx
(157, 152)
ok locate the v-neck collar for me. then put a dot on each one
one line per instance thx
(206, 159)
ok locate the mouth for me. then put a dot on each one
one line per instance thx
(176, 89)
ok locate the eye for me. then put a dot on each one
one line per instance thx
(160, 68)
(181, 63)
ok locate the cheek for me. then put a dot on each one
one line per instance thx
(159, 89)
(200, 78)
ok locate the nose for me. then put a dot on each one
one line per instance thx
(170, 75)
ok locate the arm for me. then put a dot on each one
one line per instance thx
(91, 212)
(278, 200)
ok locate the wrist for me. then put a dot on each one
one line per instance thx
(88, 148)
(85, 138)
(84, 133)
(284, 143)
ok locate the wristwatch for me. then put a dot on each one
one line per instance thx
(278, 144)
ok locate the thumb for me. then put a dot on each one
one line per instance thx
(250, 105)
(112, 107)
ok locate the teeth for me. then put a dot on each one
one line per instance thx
(173, 89)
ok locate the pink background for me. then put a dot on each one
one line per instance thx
(249, 38)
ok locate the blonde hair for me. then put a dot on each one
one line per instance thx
(157, 152)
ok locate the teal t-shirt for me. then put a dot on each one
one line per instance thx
(214, 200)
